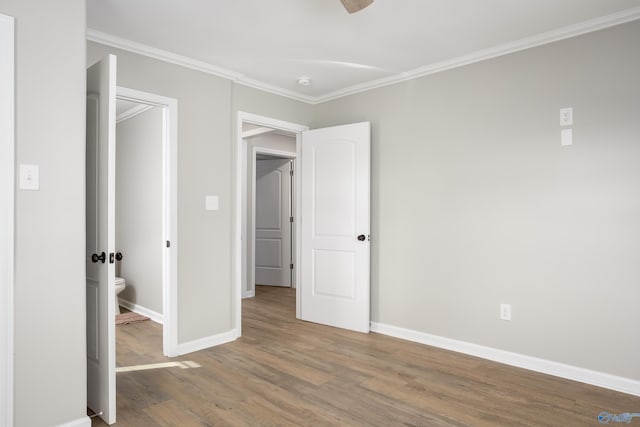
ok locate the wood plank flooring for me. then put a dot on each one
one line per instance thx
(284, 372)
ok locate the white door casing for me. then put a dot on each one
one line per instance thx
(7, 194)
(273, 228)
(100, 198)
(335, 179)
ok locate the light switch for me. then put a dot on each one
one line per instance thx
(212, 203)
(566, 117)
(29, 177)
(566, 137)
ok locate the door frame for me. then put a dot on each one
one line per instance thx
(7, 207)
(240, 255)
(169, 210)
(252, 222)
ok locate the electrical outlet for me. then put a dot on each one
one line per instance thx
(505, 311)
(566, 116)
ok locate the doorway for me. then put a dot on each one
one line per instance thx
(147, 128)
(333, 243)
(268, 201)
(138, 210)
(272, 140)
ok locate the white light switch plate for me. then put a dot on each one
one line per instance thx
(29, 177)
(211, 203)
(566, 137)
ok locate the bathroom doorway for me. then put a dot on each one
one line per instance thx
(146, 209)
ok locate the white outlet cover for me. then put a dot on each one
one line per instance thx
(566, 116)
(29, 177)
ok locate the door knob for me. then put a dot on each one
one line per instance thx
(119, 256)
(362, 237)
(102, 257)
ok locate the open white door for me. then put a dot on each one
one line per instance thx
(335, 226)
(101, 139)
(273, 228)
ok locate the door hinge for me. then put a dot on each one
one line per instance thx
(290, 219)
(291, 266)
(291, 172)
(168, 244)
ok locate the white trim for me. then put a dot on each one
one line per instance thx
(238, 292)
(206, 342)
(194, 64)
(490, 53)
(7, 206)
(563, 33)
(132, 112)
(162, 55)
(574, 373)
(248, 294)
(169, 212)
(80, 422)
(153, 315)
(252, 222)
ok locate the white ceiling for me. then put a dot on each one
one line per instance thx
(271, 43)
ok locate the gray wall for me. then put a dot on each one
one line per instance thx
(475, 203)
(50, 350)
(203, 168)
(139, 233)
(207, 107)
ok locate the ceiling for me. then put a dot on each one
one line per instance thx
(270, 44)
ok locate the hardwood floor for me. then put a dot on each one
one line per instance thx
(284, 372)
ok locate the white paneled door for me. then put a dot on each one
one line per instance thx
(273, 228)
(335, 226)
(100, 198)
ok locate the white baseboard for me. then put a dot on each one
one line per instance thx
(600, 379)
(248, 294)
(153, 315)
(80, 422)
(207, 342)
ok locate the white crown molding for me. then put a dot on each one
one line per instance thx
(162, 55)
(492, 52)
(194, 64)
(567, 32)
(256, 84)
(574, 373)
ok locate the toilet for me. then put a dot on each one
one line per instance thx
(120, 285)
